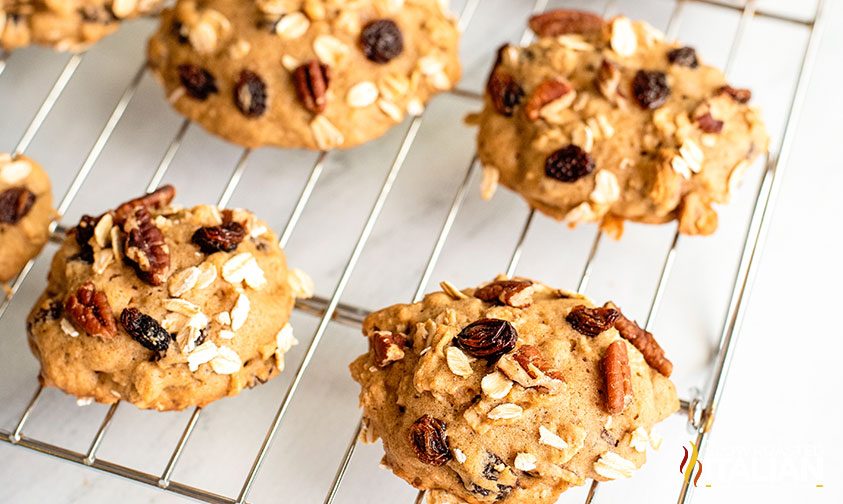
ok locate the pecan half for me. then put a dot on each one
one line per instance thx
(224, 238)
(15, 203)
(563, 21)
(89, 310)
(740, 95)
(311, 81)
(387, 347)
(158, 198)
(592, 321)
(527, 367)
(144, 245)
(429, 440)
(644, 341)
(487, 339)
(515, 293)
(546, 92)
(504, 92)
(617, 377)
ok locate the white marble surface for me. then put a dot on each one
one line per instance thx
(775, 437)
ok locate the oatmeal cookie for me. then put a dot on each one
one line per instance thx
(65, 25)
(605, 121)
(26, 210)
(164, 307)
(512, 392)
(317, 74)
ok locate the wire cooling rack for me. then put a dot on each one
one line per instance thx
(700, 409)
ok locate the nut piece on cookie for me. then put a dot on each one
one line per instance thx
(66, 25)
(605, 121)
(164, 307)
(318, 75)
(481, 399)
(26, 211)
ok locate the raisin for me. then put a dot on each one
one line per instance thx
(504, 92)
(683, 56)
(198, 82)
(568, 164)
(145, 330)
(88, 308)
(650, 88)
(311, 81)
(592, 321)
(250, 94)
(381, 40)
(429, 440)
(15, 203)
(224, 238)
(740, 95)
(52, 311)
(492, 468)
(178, 31)
(487, 339)
(144, 245)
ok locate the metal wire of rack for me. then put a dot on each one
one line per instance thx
(700, 410)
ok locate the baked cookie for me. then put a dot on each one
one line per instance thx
(511, 392)
(605, 121)
(26, 210)
(164, 307)
(318, 74)
(65, 25)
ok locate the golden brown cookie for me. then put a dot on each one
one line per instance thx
(512, 392)
(318, 74)
(164, 307)
(26, 210)
(65, 25)
(605, 121)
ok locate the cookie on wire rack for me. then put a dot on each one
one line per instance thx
(605, 121)
(165, 307)
(316, 74)
(65, 25)
(26, 211)
(512, 392)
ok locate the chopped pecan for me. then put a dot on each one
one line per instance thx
(644, 341)
(740, 95)
(387, 347)
(224, 238)
(563, 21)
(546, 92)
(592, 321)
(534, 363)
(617, 377)
(515, 293)
(608, 79)
(311, 81)
(527, 367)
(15, 203)
(158, 198)
(429, 440)
(504, 92)
(708, 123)
(144, 245)
(88, 308)
(487, 338)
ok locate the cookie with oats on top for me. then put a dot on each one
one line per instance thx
(511, 392)
(164, 307)
(315, 74)
(605, 121)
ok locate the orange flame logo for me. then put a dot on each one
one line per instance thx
(693, 463)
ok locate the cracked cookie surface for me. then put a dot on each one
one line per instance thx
(605, 121)
(26, 210)
(164, 307)
(512, 392)
(316, 74)
(65, 25)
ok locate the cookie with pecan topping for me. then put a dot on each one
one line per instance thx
(164, 307)
(605, 121)
(65, 25)
(480, 396)
(26, 210)
(315, 74)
